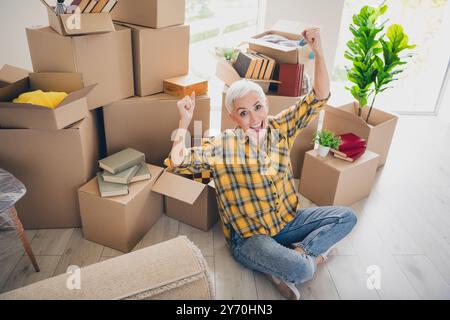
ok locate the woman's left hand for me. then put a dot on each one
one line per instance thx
(313, 39)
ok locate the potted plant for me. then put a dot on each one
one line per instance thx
(327, 140)
(376, 60)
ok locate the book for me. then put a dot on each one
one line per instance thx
(291, 77)
(81, 4)
(258, 65)
(108, 189)
(263, 68)
(352, 158)
(90, 6)
(109, 6)
(143, 173)
(121, 160)
(244, 65)
(99, 6)
(123, 177)
(268, 72)
(350, 141)
(349, 153)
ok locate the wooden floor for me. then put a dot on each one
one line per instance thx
(403, 228)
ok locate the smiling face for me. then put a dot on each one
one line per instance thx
(250, 112)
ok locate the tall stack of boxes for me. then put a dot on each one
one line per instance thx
(160, 52)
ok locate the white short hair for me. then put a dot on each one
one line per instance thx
(239, 89)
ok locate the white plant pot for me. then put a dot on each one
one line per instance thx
(323, 151)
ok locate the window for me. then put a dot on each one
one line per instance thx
(426, 22)
(218, 23)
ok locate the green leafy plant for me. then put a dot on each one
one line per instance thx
(230, 54)
(375, 59)
(327, 139)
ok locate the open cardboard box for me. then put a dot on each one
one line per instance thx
(104, 59)
(120, 222)
(277, 104)
(283, 54)
(150, 13)
(188, 201)
(25, 115)
(378, 132)
(52, 164)
(226, 72)
(78, 24)
(332, 181)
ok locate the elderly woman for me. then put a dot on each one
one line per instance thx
(263, 222)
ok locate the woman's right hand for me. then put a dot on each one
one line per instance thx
(186, 108)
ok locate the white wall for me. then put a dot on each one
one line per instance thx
(323, 13)
(15, 16)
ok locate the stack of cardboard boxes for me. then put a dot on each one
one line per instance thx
(101, 64)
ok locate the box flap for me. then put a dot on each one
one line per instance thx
(13, 90)
(289, 26)
(345, 113)
(11, 74)
(79, 94)
(226, 72)
(178, 187)
(56, 81)
(88, 23)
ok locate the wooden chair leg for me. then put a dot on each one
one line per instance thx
(19, 229)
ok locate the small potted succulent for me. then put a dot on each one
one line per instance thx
(327, 140)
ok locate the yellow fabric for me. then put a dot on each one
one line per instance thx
(255, 185)
(44, 99)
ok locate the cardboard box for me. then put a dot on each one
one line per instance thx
(150, 13)
(79, 24)
(147, 123)
(276, 105)
(120, 222)
(103, 59)
(284, 54)
(188, 201)
(226, 72)
(378, 132)
(332, 181)
(25, 115)
(184, 86)
(158, 54)
(52, 165)
(10, 74)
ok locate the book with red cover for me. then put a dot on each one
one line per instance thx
(351, 141)
(291, 76)
(352, 158)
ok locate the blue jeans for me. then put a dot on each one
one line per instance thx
(315, 230)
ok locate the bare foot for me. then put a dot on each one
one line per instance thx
(319, 259)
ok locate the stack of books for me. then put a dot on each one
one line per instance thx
(254, 65)
(92, 6)
(121, 169)
(351, 148)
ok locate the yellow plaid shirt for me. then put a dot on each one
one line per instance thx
(254, 184)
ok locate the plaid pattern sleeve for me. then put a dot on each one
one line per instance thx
(293, 119)
(195, 159)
